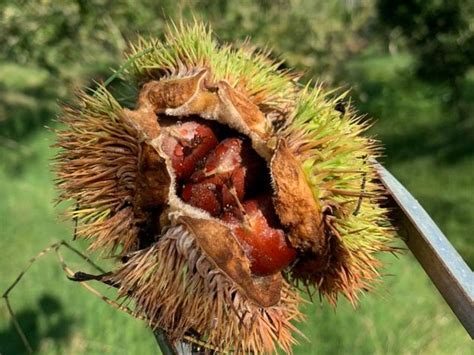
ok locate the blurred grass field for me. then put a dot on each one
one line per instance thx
(425, 148)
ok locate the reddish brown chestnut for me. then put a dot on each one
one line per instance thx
(186, 144)
(266, 247)
(216, 178)
(223, 180)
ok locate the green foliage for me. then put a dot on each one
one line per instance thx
(59, 46)
(440, 33)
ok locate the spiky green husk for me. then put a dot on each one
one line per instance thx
(187, 47)
(338, 163)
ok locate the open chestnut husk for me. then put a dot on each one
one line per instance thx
(223, 190)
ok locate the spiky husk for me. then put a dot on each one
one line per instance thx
(179, 288)
(173, 282)
(97, 169)
(338, 163)
(187, 47)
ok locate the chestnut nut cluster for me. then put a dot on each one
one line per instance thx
(226, 178)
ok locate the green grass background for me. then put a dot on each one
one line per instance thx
(426, 148)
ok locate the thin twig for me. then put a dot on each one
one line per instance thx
(362, 192)
(84, 257)
(23, 337)
(76, 221)
(20, 332)
(31, 261)
(362, 189)
(71, 274)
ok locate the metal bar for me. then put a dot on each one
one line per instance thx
(168, 348)
(163, 342)
(447, 270)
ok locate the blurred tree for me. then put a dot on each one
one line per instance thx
(316, 36)
(60, 36)
(440, 33)
(51, 45)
